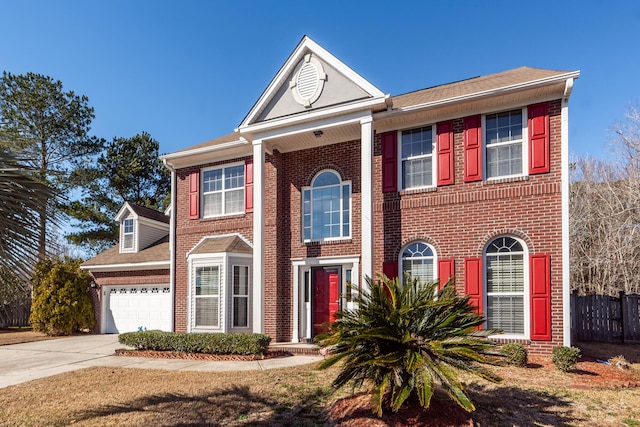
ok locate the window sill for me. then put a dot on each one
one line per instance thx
(326, 242)
(492, 181)
(420, 190)
(229, 216)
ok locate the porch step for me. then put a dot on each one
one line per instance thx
(296, 348)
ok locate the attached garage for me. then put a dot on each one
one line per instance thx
(133, 308)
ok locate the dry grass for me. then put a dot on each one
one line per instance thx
(21, 335)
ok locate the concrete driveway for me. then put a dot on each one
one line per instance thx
(25, 362)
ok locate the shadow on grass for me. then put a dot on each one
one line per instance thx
(503, 405)
(233, 406)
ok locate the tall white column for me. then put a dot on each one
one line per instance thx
(258, 236)
(366, 195)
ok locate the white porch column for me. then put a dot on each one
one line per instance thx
(258, 236)
(366, 194)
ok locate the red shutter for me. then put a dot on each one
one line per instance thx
(248, 185)
(538, 117)
(446, 270)
(389, 162)
(472, 149)
(473, 281)
(540, 285)
(390, 269)
(194, 194)
(444, 136)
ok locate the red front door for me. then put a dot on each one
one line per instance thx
(325, 297)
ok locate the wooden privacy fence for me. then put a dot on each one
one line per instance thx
(606, 319)
(15, 313)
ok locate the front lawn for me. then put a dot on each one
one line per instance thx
(594, 394)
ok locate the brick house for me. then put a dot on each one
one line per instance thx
(328, 180)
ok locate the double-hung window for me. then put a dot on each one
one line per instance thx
(505, 282)
(504, 143)
(416, 148)
(326, 208)
(223, 190)
(207, 297)
(240, 296)
(418, 261)
(127, 234)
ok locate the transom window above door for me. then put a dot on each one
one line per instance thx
(416, 152)
(326, 208)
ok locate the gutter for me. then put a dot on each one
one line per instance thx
(172, 239)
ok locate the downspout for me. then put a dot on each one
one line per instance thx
(566, 286)
(172, 242)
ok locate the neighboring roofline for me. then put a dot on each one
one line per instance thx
(131, 266)
(486, 93)
(241, 141)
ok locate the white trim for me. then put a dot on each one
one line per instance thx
(203, 150)
(172, 244)
(223, 191)
(258, 236)
(566, 288)
(232, 295)
(130, 266)
(214, 236)
(366, 195)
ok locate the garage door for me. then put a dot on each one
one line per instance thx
(128, 308)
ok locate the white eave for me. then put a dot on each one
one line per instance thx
(196, 156)
(150, 265)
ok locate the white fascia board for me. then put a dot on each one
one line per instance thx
(150, 265)
(122, 210)
(296, 56)
(204, 150)
(214, 237)
(271, 127)
(487, 93)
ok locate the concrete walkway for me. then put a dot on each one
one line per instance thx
(25, 362)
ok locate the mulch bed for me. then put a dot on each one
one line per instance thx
(199, 356)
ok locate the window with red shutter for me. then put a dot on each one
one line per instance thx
(538, 123)
(540, 286)
(472, 149)
(444, 137)
(248, 185)
(389, 162)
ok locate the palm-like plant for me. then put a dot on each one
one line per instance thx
(407, 338)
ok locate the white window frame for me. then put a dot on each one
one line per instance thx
(524, 142)
(525, 294)
(223, 191)
(401, 160)
(434, 258)
(131, 233)
(343, 185)
(219, 296)
(245, 296)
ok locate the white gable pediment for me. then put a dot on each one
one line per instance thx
(311, 79)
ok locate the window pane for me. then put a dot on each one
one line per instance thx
(506, 313)
(128, 241)
(504, 160)
(505, 273)
(503, 127)
(326, 178)
(234, 201)
(234, 177)
(240, 280)
(212, 180)
(128, 225)
(417, 173)
(213, 204)
(207, 311)
(419, 269)
(326, 208)
(417, 142)
(240, 312)
(207, 281)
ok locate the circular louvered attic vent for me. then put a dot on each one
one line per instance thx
(307, 84)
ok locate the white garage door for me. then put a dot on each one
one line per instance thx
(131, 308)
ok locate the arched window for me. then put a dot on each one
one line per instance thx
(418, 261)
(505, 285)
(326, 208)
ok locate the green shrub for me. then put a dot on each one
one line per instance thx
(257, 344)
(408, 339)
(61, 301)
(565, 358)
(515, 353)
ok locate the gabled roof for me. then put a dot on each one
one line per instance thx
(220, 244)
(142, 212)
(155, 256)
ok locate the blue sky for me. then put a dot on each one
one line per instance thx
(188, 71)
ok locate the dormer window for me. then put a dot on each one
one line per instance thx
(127, 234)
